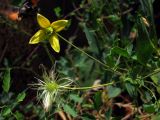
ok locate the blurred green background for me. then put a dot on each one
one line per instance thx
(122, 34)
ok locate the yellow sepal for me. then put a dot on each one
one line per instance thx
(54, 41)
(59, 25)
(37, 37)
(43, 21)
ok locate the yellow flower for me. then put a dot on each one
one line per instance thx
(48, 31)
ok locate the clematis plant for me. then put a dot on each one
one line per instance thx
(52, 88)
(48, 31)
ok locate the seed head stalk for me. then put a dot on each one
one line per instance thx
(52, 88)
(89, 87)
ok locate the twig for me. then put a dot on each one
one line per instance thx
(3, 53)
(153, 73)
(21, 68)
(75, 10)
(30, 55)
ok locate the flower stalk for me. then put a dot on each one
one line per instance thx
(93, 58)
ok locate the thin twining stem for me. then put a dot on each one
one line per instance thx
(98, 61)
(153, 73)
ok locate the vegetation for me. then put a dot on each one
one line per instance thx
(104, 65)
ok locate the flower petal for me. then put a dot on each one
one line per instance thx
(54, 41)
(59, 25)
(37, 37)
(43, 21)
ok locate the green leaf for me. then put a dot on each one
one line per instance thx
(110, 60)
(87, 116)
(113, 91)
(129, 49)
(97, 100)
(131, 89)
(114, 18)
(145, 96)
(18, 115)
(90, 106)
(57, 11)
(7, 80)
(69, 110)
(21, 97)
(156, 78)
(6, 111)
(17, 2)
(150, 108)
(120, 51)
(75, 98)
(91, 39)
(108, 114)
(144, 48)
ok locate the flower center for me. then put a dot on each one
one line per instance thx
(51, 86)
(49, 30)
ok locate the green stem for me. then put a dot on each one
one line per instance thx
(151, 83)
(151, 92)
(85, 88)
(153, 73)
(98, 61)
(48, 53)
